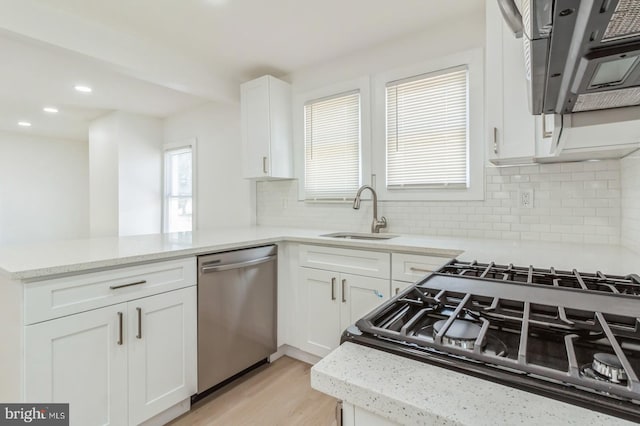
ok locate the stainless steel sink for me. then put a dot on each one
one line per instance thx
(359, 236)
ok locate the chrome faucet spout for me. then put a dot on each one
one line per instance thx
(376, 224)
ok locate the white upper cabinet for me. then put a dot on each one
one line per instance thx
(510, 127)
(266, 129)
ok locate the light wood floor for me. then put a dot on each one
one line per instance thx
(275, 394)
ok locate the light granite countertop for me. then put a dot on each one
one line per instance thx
(410, 392)
(36, 261)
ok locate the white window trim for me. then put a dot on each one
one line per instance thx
(361, 84)
(473, 59)
(187, 143)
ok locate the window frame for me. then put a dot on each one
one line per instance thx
(473, 60)
(362, 85)
(174, 146)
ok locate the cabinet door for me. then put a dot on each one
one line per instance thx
(162, 352)
(510, 126)
(362, 417)
(256, 128)
(398, 286)
(359, 296)
(319, 310)
(80, 359)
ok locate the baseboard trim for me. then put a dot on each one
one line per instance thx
(169, 414)
(295, 353)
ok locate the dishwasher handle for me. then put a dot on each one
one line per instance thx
(252, 262)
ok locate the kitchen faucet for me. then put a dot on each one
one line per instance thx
(376, 224)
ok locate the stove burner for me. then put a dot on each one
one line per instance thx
(461, 333)
(609, 366)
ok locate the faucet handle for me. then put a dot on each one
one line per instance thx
(378, 224)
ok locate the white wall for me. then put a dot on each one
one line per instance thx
(44, 193)
(103, 177)
(140, 174)
(630, 180)
(223, 198)
(468, 32)
(125, 175)
(576, 202)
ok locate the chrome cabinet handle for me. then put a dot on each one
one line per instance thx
(115, 287)
(339, 413)
(495, 140)
(344, 295)
(264, 165)
(545, 132)
(120, 320)
(139, 335)
(333, 289)
(397, 290)
(414, 269)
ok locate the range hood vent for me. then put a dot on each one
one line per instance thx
(580, 55)
(625, 21)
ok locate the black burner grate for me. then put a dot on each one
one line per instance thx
(599, 282)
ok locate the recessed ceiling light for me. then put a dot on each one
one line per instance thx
(83, 89)
(24, 124)
(51, 110)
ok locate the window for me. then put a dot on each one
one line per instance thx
(332, 142)
(178, 187)
(427, 130)
(428, 140)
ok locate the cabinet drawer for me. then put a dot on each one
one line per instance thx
(58, 297)
(357, 262)
(412, 267)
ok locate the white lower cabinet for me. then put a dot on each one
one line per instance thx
(406, 269)
(330, 301)
(162, 352)
(116, 365)
(398, 286)
(77, 360)
(355, 416)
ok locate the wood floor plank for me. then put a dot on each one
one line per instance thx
(278, 394)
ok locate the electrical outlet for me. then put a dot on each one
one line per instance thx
(525, 198)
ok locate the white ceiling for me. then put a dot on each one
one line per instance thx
(33, 76)
(251, 37)
(157, 57)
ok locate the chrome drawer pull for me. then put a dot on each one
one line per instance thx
(116, 287)
(344, 295)
(252, 262)
(419, 269)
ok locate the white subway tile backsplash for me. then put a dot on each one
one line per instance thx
(573, 202)
(630, 201)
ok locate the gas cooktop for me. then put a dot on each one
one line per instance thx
(563, 334)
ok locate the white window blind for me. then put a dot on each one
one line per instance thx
(427, 130)
(332, 147)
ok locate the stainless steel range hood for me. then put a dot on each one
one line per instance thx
(580, 55)
(582, 58)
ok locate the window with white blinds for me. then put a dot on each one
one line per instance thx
(332, 147)
(427, 131)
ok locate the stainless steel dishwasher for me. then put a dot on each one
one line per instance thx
(236, 312)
